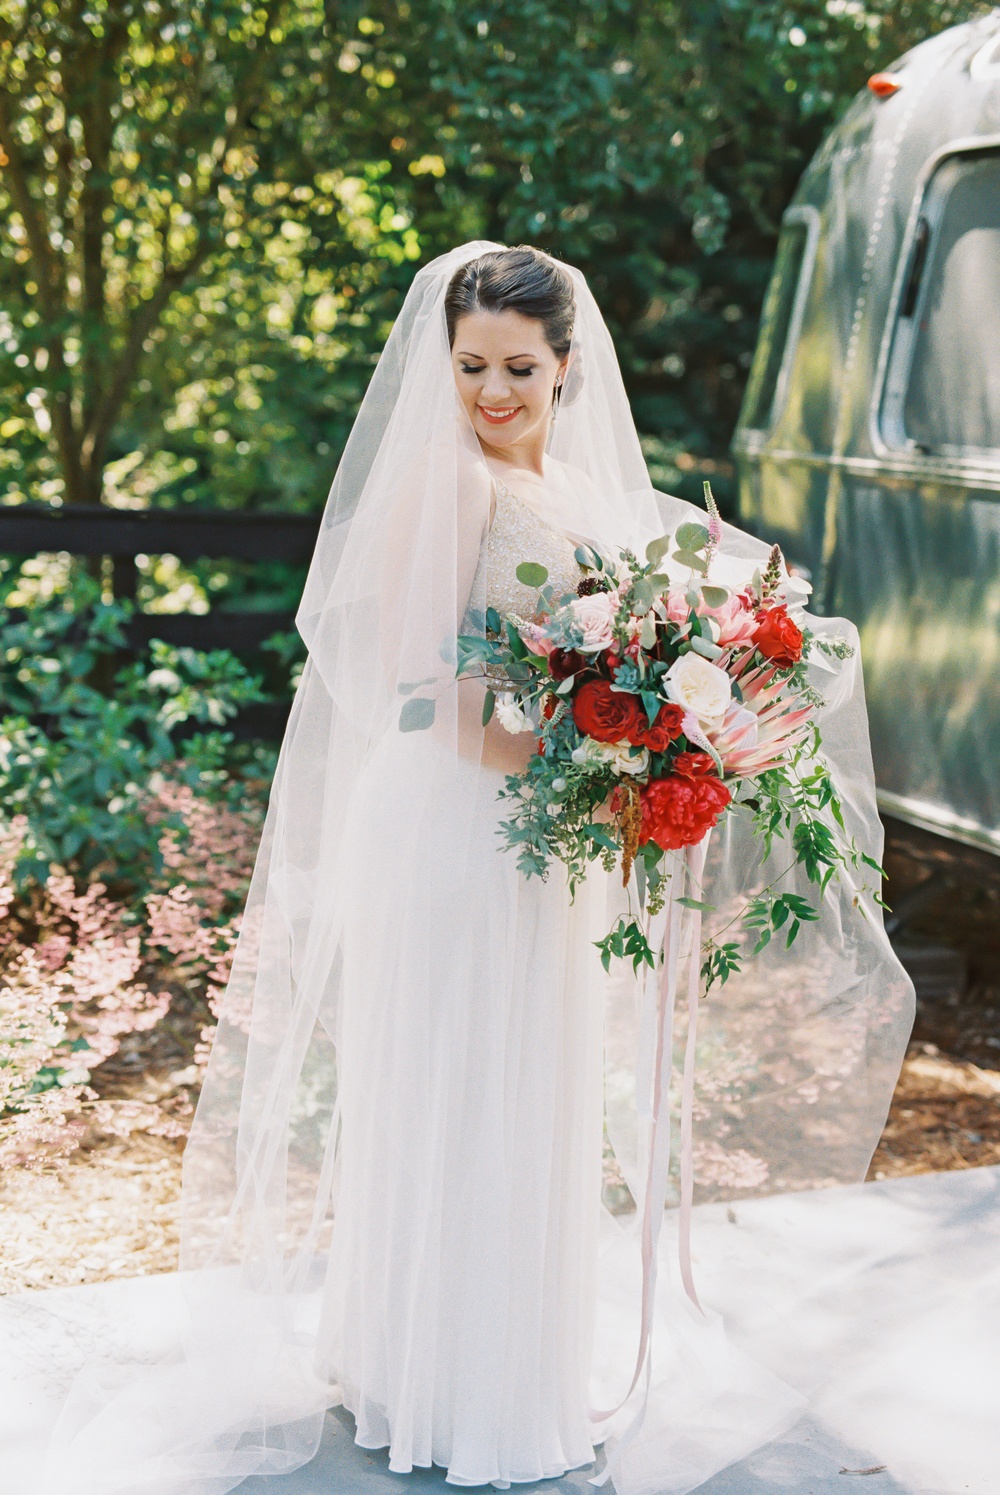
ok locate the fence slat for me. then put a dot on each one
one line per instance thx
(26, 529)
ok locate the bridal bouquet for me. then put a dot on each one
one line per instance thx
(661, 705)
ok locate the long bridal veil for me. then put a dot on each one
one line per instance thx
(795, 1059)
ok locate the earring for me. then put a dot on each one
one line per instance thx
(555, 397)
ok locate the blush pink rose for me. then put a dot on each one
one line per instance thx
(595, 615)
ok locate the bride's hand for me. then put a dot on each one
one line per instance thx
(508, 752)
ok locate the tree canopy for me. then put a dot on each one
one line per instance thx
(212, 208)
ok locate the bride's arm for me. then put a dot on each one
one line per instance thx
(495, 748)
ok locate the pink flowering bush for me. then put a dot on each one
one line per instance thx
(80, 972)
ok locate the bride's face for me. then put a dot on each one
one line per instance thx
(505, 373)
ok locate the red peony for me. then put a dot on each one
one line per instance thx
(777, 637)
(607, 715)
(669, 724)
(565, 662)
(679, 810)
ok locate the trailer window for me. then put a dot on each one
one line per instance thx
(943, 392)
(782, 306)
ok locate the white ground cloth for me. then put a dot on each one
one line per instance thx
(899, 1354)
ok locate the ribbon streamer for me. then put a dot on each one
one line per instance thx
(679, 919)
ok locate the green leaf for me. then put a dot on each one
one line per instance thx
(657, 549)
(706, 908)
(407, 687)
(691, 536)
(532, 574)
(643, 593)
(689, 558)
(417, 714)
(652, 702)
(493, 620)
(489, 702)
(704, 647)
(715, 596)
(588, 558)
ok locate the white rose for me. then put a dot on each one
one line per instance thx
(620, 756)
(594, 615)
(511, 716)
(700, 687)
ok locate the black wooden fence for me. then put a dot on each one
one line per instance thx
(122, 534)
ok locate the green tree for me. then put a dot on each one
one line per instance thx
(212, 209)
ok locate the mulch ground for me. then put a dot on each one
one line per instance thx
(112, 1209)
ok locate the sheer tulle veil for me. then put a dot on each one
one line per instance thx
(796, 1058)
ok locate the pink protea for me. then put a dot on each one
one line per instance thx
(748, 747)
(536, 639)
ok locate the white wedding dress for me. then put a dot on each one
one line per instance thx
(459, 1309)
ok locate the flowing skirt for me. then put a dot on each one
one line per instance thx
(459, 1306)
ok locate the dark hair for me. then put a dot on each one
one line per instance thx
(523, 280)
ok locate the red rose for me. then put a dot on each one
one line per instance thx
(606, 715)
(677, 811)
(669, 724)
(777, 637)
(695, 765)
(565, 662)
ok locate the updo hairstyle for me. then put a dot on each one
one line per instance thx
(522, 279)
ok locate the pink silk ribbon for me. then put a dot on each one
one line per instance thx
(658, 1170)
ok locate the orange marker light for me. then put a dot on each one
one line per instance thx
(884, 85)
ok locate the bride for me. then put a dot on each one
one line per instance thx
(393, 1186)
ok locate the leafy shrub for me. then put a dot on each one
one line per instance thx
(82, 735)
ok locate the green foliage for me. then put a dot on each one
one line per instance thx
(626, 941)
(81, 740)
(212, 210)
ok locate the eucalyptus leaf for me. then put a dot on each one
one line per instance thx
(657, 549)
(489, 702)
(715, 596)
(705, 647)
(690, 558)
(647, 635)
(691, 536)
(407, 687)
(643, 594)
(417, 714)
(532, 574)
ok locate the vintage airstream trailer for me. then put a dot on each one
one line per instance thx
(868, 444)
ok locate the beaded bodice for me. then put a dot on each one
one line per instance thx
(519, 534)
